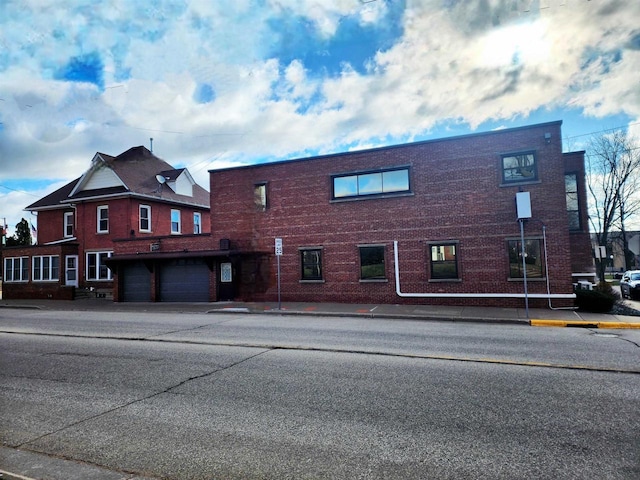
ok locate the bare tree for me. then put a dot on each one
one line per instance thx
(613, 180)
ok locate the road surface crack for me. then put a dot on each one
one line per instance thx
(26, 443)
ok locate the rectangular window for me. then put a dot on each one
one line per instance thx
(46, 268)
(372, 262)
(197, 223)
(145, 218)
(379, 182)
(573, 206)
(16, 269)
(444, 261)
(519, 168)
(97, 266)
(103, 219)
(68, 224)
(532, 258)
(260, 196)
(175, 221)
(311, 263)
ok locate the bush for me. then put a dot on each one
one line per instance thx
(599, 300)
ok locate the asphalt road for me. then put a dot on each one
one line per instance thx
(184, 396)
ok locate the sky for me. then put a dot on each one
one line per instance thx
(219, 83)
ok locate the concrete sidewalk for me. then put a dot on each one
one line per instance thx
(537, 316)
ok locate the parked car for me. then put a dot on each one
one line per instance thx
(630, 284)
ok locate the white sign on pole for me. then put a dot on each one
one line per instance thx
(601, 252)
(278, 246)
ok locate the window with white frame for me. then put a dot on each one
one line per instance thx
(197, 223)
(68, 224)
(97, 266)
(103, 219)
(45, 268)
(175, 221)
(145, 218)
(16, 269)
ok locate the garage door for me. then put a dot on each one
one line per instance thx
(136, 283)
(184, 280)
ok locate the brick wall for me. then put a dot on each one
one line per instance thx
(55, 290)
(581, 250)
(456, 196)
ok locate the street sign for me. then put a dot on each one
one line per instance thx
(278, 247)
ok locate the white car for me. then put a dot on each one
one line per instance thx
(630, 284)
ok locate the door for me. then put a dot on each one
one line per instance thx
(136, 283)
(226, 290)
(71, 271)
(184, 280)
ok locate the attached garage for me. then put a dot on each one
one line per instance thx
(136, 282)
(184, 280)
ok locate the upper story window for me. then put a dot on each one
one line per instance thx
(45, 268)
(378, 182)
(260, 196)
(197, 223)
(519, 168)
(175, 221)
(16, 269)
(145, 218)
(68, 224)
(103, 219)
(573, 205)
(372, 262)
(444, 261)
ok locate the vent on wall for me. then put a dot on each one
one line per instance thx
(225, 244)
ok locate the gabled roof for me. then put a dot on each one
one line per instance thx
(132, 173)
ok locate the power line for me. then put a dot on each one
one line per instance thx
(603, 130)
(19, 191)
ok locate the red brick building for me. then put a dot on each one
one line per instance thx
(134, 197)
(433, 222)
(446, 208)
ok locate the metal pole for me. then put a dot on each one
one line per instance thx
(279, 301)
(524, 269)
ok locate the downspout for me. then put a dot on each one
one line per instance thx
(468, 295)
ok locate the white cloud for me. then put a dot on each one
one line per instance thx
(462, 64)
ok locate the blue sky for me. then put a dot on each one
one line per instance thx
(218, 84)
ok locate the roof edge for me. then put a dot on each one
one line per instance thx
(395, 146)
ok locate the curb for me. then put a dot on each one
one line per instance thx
(384, 316)
(582, 324)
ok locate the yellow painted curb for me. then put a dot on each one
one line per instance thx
(581, 323)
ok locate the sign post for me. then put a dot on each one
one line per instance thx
(523, 210)
(278, 255)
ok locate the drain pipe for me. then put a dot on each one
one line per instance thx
(546, 269)
(468, 295)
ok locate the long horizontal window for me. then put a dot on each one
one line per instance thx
(371, 183)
